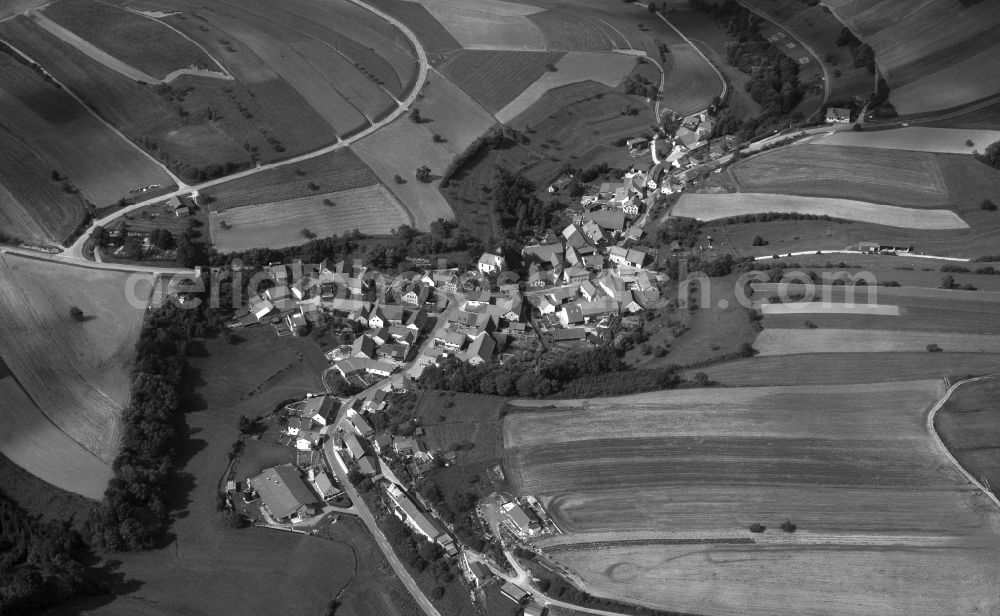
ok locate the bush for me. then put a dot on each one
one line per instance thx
(856, 127)
(759, 241)
(969, 143)
(424, 174)
(757, 527)
(397, 179)
(788, 527)
(933, 348)
(988, 206)
(810, 325)
(746, 350)
(76, 314)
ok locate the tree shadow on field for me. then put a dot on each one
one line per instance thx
(191, 400)
(110, 582)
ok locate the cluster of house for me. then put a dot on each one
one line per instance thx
(691, 153)
(523, 522)
(306, 420)
(392, 333)
(583, 277)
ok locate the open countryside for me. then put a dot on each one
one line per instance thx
(478, 307)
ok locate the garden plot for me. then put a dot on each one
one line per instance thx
(488, 25)
(494, 78)
(716, 206)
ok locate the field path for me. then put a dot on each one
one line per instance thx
(74, 253)
(940, 444)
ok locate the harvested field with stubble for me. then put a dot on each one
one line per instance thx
(916, 138)
(77, 373)
(494, 78)
(881, 514)
(139, 41)
(894, 177)
(373, 210)
(606, 68)
(779, 341)
(691, 82)
(716, 206)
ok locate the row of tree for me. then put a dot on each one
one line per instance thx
(134, 512)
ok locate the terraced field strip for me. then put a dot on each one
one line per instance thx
(576, 66)
(849, 368)
(77, 373)
(716, 206)
(895, 177)
(828, 340)
(574, 30)
(874, 500)
(916, 138)
(883, 310)
(372, 210)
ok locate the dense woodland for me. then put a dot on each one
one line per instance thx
(541, 374)
(39, 564)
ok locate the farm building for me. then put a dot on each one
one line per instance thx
(573, 333)
(353, 446)
(298, 424)
(323, 485)
(307, 439)
(407, 511)
(481, 349)
(838, 115)
(525, 524)
(368, 466)
(479, 574)
(318, 408)
(534, 609)
(283, 493)
(490, 263)
(355, 365)
(363, 346)
(362, 427)
(382, 443)
(513, 592)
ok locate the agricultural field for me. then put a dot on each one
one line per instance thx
(373, 210)
(488, 24)
(434, 37)
(691, 83)
(967, 423)
(831, 340)
(935, 55)
(71, 141)
(495, 78)
(983, 116)
(894, 177)
(336, 171)
(33, 207)
(575, 30)
(711, 40)
(874, 500)
(716, 206)
(29, 440)
(606, 68)
(917, 138)
(83, 387)
(404, 145)
(137, 40)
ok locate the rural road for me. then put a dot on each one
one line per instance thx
(365, 514)
(937, 439)
(75, 251)
(827, 81)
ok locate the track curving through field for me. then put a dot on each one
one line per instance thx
(944, 449)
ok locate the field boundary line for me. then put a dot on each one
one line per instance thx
(937, 438)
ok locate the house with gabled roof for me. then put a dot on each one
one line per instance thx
(588, 290)
(490, 263)
(571, 314)
(363, 346)
(283, 493)
(481, 349)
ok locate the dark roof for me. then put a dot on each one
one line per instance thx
(572, 333)
(282, 490)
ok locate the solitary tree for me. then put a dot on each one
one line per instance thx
(757, 527)
(788, 527)
(76, 314)
(415, 116)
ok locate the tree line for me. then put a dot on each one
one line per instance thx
(134, 512)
